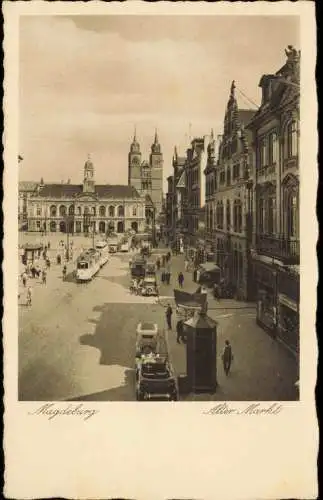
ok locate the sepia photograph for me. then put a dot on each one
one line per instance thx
(159, 243)
(160, 178)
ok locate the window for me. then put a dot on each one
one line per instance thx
(219, 215)
(86, 210)
(62, 210)
(228, 215)
(53, 211)
(236, 171)
(228, 176)
(261, 225)
(272, 148)
(120, 211)
(79, 210)
(292, 215)
(271, 216)
(71, 210)
(263, 152)
(292, 139)
(38, 225)
(38, 210)
(93, 210)
(134, 211)
(111, 211)
(222, 177)
(102, 211)
(237, 216)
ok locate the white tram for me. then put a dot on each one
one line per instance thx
(103, 248)
(87, 265)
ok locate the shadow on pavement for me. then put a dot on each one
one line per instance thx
(39, 381)
(125, 392)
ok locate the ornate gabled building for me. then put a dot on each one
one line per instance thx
(227, 194)
(84, 208)
(147, 177)
(275, 131)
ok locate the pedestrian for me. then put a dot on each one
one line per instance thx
(64, 273)
(48, 262)
(48, 245)
(169, 312)
(186, 265)
(29, 296)
(179, 330)
(195, 275)
(163, 276)
(44, 275)
(180, 279)
(158, 263)
(24, 278)
(216, 292)
(227, 357)
(168, 274)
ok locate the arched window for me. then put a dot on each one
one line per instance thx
(134, 211)
(52, 226)
(228, 215)
(102, 211)
(71, 210)
(86, 210)
(121, 211)
(53, 212)
(111, 211)
(62, 211)
(79, 210)
(93, 211)
(291, 204)
(38, 210)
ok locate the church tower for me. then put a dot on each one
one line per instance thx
(88, 182)
(134, 164)
(156, 165)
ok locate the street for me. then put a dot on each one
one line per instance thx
(77, 341)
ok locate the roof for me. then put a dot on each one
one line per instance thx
(189, 300)
(101, 190)
(27, 185)
(182, 181)
(201, 321)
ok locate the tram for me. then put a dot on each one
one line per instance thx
(87, 265)
(103, 248)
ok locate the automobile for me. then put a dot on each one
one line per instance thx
(149, 286)
(147, 339)
(137, 267)
(156, 380)
(150, 269)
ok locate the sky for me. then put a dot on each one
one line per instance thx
(85, 82)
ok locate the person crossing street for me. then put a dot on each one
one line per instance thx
(169, 312)
(227, 357)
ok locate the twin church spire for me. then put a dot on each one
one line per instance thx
(135, 146)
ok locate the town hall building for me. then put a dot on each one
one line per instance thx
(87, 207)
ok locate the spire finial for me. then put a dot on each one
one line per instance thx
(233, 86)
(212, 134)
(156, 136)
(135, 134)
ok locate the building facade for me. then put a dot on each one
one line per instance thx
(276, 251)
(25, 190)
(228, 200)
(194, 194)
(84, 208)
(147, 177)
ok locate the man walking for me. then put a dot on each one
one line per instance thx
(180, 279)
(227, 357)
(168, 276)
(29, 296)
(24, 279)
(169, 312)
(179, 330)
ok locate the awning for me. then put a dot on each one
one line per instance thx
(286, 301)
(209, 266)
(190, 300)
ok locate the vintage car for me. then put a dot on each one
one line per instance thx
(137, 267)
(210, 274)
(149, 286)
(156, 380)
(150, 269)
(147, 339)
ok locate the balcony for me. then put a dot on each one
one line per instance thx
(279, 247)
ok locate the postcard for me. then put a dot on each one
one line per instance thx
(159, 250)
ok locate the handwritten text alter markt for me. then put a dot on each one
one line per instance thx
(52, 410)
(252, 409)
